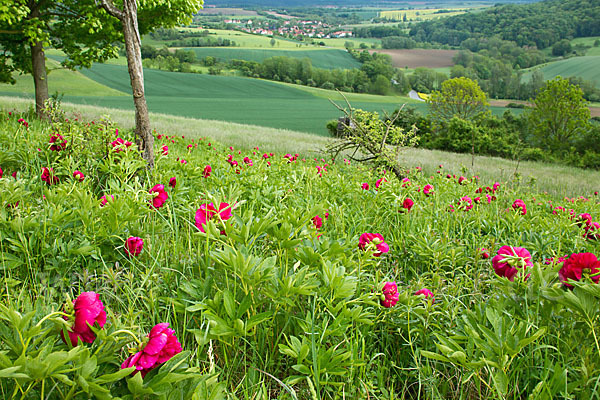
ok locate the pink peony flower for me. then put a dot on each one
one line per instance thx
(160, 196)
(48, 176)
(591, 231)
(389, 297)
(379, 182)
(104, 200)
(88, 309)
(577, 266)
(119, 143)
(1, 172)
(134, 246)
(373, 241)
(428, 189)
(365, 186)
(165, 150)
(317, 222)
(79, 176)
(461, 180)
(207, 171)
(465, 203)
(208, 211)
(427, 293)
(520, 204)
(509, 260)
(162, 344)
(172, 182)
(496, 186)
(584, 219)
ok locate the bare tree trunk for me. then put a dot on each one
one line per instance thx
(40, 81)
(133, 44)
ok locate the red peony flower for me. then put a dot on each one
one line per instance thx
(1, 172)
(207, 212)
(485, 254)
(104, 200)
(584, 219)
(172, 182)
(207, 171)
(160, 196)
(407, 204)
(365, 186)
(317, 222)
(509, 260)
(577, 266)
(134, 246)
(120, 143)
(520, 204)
(88, 309)
(379, 182)
(79, 176)
(465, 203)
(427, 293)
(48, 176)
(390, 295)
(165, 150)
(57, 142)
(375, 242)
(162, 344)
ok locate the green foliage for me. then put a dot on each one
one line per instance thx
(559, 116)
(459, 97)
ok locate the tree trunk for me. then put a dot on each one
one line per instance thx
(143, 133)
(40, 81)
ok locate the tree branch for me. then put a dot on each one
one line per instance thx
(111, 9)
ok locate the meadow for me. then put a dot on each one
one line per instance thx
(320, 58)
(585, 67)
(281, 275)
(420, 14)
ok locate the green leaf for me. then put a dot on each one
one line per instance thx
(115, 376)
(11, 372)
(229, 303)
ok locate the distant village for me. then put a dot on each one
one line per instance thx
(288, 28)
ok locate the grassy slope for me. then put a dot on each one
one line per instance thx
(321, 58)
(586, 67)
(225, 98)
(556, 179)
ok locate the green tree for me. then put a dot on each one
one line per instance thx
(77, 27)
(559, 115)
(461, 97)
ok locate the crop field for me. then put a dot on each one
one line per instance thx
(227, 12)
(223, 98)
(241, 39)
(587, 67)
(321, 58)
(414, 58)
(420, 14)
(341, 42)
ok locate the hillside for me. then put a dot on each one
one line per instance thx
(540, 24)
(587, 67)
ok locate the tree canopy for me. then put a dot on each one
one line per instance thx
(460, 97)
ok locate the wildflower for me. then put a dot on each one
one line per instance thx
(119, 143)
(379, 182)
(465, 203)
(78, 175)
(389, 298)
(104, 200)
(87, 311)
(496, 186)
(134, 246)
(160, 196)
(48, 176)
(317, 221)
(591, 231)
(427, 293)
(365, 186)
(509, 260)
(165, 150)
(207, 171)
(407, 204)
(373, 241)
(428, 189)
(520, 204)
(1, 172)
(172, 182)
(485, 254)
(461, 180)
(248, 161)
(162, 344)
(584, 218)
(57, 142)
(577, 266)
(206, 212)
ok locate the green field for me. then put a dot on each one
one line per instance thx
(587, 67)
(588, 41)
(223, 98)
(321, 58)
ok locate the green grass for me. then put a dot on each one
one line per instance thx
(556, 179)
(587, 67)
(588, 41)
(321, 58)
